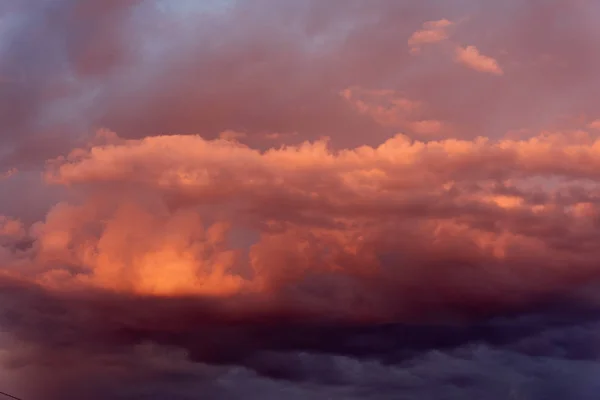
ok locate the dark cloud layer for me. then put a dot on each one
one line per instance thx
(124, 347)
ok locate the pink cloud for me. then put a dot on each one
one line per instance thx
(427, 127)
(471, 57)
(296, 161)
(157, 216)
(431, 32)
(385, 107)
(8, 174)
(594, 124)
(232, 135)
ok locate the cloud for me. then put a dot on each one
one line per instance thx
(431, 32)
(594, 124)
(49, 58)
(231, 135)
(426, 127)
(11, 227)
(390, 109)
(471, 57)
(384, 106)
(278, 136)
(283, 202)
(327, 229)
(107, 344)
(8, 173)
(296, 67)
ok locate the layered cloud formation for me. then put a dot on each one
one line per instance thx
(321, 199)
(499, 219)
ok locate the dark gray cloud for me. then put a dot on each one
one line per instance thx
(100, 346)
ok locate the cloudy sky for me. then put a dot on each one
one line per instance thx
(301, 199)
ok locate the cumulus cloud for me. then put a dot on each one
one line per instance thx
(471, 57)
(281, 202)
(329, 231)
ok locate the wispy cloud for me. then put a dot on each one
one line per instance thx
(594, 124)
(470, 57)
(430, 32)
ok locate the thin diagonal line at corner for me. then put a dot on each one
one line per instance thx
(10, 395)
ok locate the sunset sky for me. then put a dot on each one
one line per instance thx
(300, 199)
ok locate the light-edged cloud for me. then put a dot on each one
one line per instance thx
(322, 221)
(386, 107)
(390, 109)
(235, 250)
(431, 32)
(470, 57)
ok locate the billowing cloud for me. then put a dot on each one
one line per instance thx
(275, 199)
(405, 231)
(341, 223)
(471, 57)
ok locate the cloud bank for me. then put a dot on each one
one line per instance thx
(278, 198)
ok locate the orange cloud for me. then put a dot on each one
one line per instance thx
(411, 190)
(356, 212)
(471, 57)
(385, 107)
(10, 227)
(431, 32)
(324, 228)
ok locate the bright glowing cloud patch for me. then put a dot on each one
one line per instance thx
(431, 32)
(471, 57)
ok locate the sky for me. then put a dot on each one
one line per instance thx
(341, 199)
